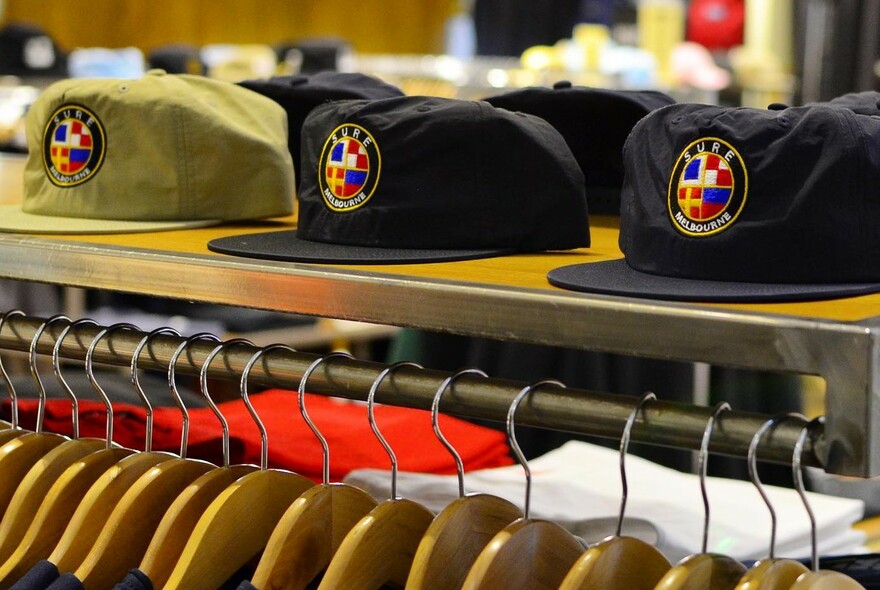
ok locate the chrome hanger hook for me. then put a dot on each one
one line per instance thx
(90, 373)
(243, 389)
(511, 435)
(371, 397)
(624, 446)
(301, 390)
(796, 460)
(752, 459)
(178, 399)
(56, 366)
(703, 465)
(136, 382)
(35, 373)
(203, 384)
(10, 388)
(435, 422)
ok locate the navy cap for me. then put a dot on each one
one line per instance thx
(426, 179)
(739, 204)
(595, 123)
(301, 93)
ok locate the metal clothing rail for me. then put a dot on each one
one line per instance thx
(571, 410)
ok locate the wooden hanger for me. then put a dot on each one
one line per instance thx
(124, 538)
(462, 530)
(180, 519)
(39, 485)
(311, 530)
(815, 579)
(704, 571)
(94, 511)
(826, 580)
(771, 573)
(19, 455)
(11, 433)
(75, 483)
(57, 510)
(379, 549)
(72, 487)
(619, 562)
(236, 526)
(528, 553)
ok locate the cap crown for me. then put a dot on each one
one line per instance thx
(300, 94)
(442, 173)
(595, 122)
(174, 148)
(795, 202)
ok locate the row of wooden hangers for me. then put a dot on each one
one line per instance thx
(98, 510)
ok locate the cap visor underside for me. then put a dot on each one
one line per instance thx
(286, 246)
(616, 277)
(13, 219)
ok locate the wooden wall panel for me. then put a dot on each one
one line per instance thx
(371, 26)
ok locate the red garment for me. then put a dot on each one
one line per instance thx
(716, 24)
(292, 445)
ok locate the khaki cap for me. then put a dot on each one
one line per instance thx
(156, 153)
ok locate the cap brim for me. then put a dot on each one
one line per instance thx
(13, 219)
(286, 246)
(616, 277)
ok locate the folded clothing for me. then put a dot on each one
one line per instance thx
(292, 445)
(580, 481)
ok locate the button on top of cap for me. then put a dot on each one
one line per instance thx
(156, 72)
(776, 106)
(562, 84)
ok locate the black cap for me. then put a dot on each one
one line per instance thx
(738, 204)
(863, 103)
(425, 179)
(300, 94)
(27, 51)
(177, 58)
(320, 53)
(594, 122)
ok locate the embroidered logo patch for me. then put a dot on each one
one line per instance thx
(73, 146)
(708, 188)
(348, 171)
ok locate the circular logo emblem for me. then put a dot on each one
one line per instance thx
(348, 171)
(73, 146)
(708, 188)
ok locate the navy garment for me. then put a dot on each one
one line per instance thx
(138, 580)
(67, 582)
(244, 573)
(39, 577)
(246, 585)
(135, 580)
